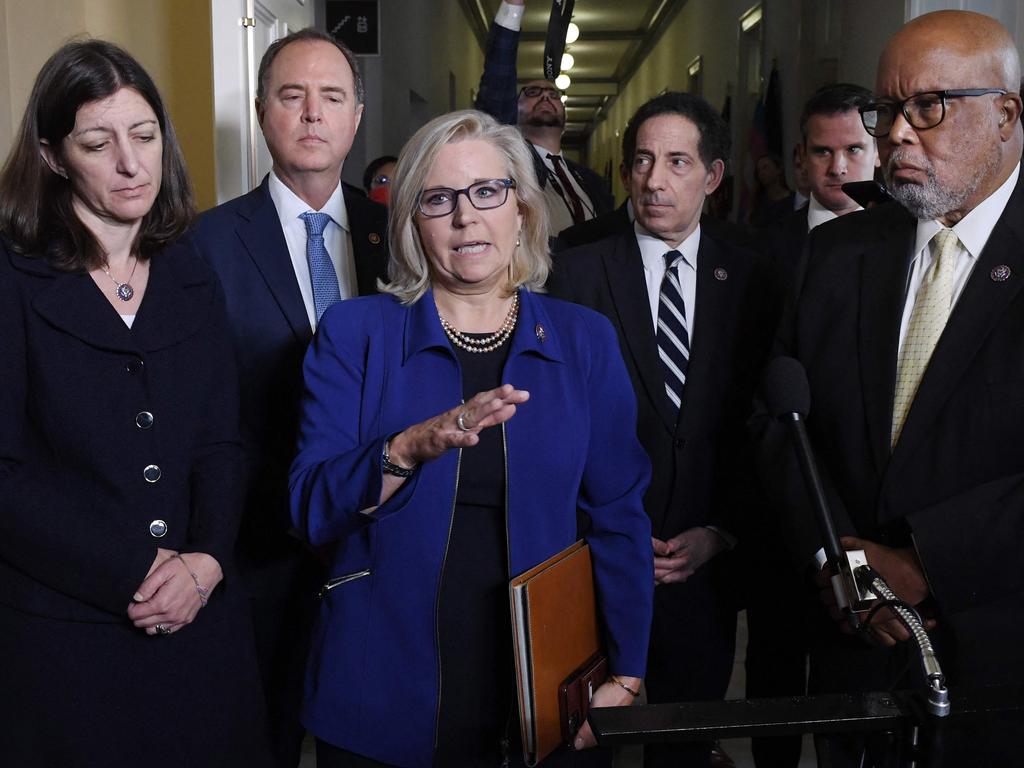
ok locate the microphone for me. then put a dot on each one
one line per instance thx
(788, 396)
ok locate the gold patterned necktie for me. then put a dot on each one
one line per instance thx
(927, 321)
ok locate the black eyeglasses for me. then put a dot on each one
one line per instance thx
(441, 201)
(922, 110)
(533, 91)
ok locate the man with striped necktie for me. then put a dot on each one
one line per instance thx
(694, 318)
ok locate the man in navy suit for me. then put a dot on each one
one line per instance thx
(284, 252)
(573, 192)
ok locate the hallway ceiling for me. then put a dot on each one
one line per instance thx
(615, 36)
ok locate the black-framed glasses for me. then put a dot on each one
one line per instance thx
(922, 110)
(533, 91)
(441, 201)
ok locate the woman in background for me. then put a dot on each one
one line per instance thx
(124, 633)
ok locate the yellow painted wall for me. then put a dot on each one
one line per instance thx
(171, 38)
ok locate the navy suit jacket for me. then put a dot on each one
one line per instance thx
(243, 241)
(498, 97)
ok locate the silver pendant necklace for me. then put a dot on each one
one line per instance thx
(124, 290)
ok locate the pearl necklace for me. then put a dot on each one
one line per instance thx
(490, 342)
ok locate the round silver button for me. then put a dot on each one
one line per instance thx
(144, 420)
(158, 529)
(151, 473)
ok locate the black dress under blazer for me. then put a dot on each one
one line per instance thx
(83, 484)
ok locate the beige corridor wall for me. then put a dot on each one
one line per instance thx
(813, 41)
(171, 38)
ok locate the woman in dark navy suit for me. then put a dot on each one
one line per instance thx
(123, 635)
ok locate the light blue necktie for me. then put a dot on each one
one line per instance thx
(321, 271)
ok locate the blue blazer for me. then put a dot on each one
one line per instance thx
(377, 367)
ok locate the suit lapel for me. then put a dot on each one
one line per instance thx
(882, 295)
(260, 233)
(628, 288)
(368, 223)
(176, 304)
(981, 305)
(715, 307)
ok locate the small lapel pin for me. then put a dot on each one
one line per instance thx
(541, 333)
(1000, 273)
(721, 273)
(374, 238)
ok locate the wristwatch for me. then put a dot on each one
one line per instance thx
(390, 468)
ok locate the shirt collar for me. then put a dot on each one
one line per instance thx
(544, 152)
(653, 249)
(975, 228)
(290, 206)
(818, 214)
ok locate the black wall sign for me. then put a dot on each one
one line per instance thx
(356, 23)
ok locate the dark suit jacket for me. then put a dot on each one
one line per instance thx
(954, 485)
(77, 532)
(786, 241)
(243, 241)
(498, 97)
(696, 457)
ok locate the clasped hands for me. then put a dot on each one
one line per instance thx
(903, 573)
(169, 596)
(678, 559)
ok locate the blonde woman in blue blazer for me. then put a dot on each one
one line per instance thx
(454, 431)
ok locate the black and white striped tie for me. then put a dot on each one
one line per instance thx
(673, 336)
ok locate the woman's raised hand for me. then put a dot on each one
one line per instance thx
(456, 428)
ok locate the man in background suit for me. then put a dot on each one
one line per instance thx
(694, 397)
(910, 323)
(284, 252)
(835, 149)
(573, 192)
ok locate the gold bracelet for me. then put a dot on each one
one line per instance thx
(625, 687)
(204, 593)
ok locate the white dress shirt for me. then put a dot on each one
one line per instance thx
(337, 240)
(973, 230)
(510, 16)
(652, 251)
(559, 204)
(818, 214)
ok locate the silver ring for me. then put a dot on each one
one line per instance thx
(462, 423)
(162, 630)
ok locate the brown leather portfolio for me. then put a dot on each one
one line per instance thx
(555, 632)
